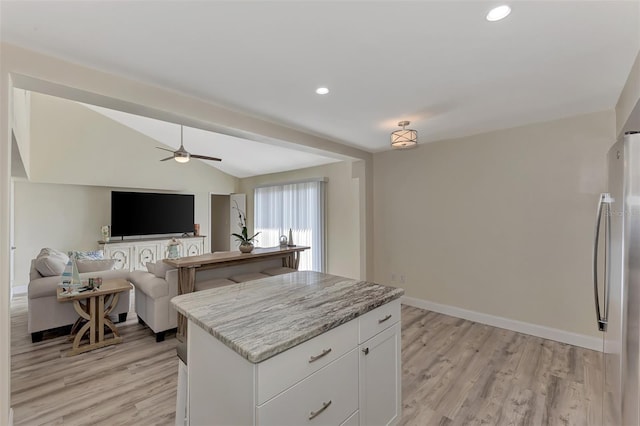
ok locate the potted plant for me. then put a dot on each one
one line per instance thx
(246, 242)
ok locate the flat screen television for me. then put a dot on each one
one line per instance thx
(144, 213)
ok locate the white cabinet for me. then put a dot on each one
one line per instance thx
(380, 393)
(336, 378)
(133, 255)
(327, 397)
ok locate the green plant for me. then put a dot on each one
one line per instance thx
(244, 237)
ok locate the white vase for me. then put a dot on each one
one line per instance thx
(246, 247)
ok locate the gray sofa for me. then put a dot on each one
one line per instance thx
(46, 313)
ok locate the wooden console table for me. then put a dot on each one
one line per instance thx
(188, 266)
(97, 306)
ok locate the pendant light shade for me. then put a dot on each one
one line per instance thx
(404, 138)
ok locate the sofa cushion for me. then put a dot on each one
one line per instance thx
(151, 267)
(161, 268)
(51, 262)
(91, 254)
(87, 265)
(208, 284)
(240, 278)
(279, 271)
(149, 284)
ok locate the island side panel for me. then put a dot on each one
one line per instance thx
(186, 284)
(221, 383)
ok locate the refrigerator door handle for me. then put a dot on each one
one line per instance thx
(603, 204)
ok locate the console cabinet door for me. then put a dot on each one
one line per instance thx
(145, 253)
(192, 247)
(122, 256)
(380, 378)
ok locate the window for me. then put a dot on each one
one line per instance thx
(296, 206)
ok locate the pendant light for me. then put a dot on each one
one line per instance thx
(404, 138)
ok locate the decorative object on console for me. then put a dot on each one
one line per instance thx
(283, 240)
(405, 138)
(182, 155)
(196, 229)
(290, 241)
(106, 233)
(246, 242)
(172, 249)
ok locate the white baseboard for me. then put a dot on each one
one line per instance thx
(562, 336)
(20, 289)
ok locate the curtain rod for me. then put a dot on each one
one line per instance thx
(315, 179)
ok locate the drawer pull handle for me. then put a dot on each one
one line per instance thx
(314, 414)
(317, 357)
(380, 321)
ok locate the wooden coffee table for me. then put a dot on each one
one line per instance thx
(94, 307)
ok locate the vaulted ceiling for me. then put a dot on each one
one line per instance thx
(439, 64)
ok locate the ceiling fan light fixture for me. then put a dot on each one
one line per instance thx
(181, 157)
(404, 138)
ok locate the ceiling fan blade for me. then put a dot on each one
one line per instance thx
(159, 147)
(204, 157)
(168, 158)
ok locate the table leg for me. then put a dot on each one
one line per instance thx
(111, 305)
(83, 312)
(100, 318)
(93, 320)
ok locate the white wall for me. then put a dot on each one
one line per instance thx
(72, 144)
(6, 104)
(22, 125)
(628, 100)
(499, 223)
(343, 212)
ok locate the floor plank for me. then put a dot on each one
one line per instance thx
(455, 372)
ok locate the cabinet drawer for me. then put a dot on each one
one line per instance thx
(327, 397)
(379, 319)
(286, 369)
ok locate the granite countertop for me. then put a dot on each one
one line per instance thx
(262, 318)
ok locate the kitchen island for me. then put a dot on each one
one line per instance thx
(299, 348)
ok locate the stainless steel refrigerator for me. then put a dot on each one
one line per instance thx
(616, 273)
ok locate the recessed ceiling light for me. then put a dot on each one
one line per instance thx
(322, 90)
(498, 13)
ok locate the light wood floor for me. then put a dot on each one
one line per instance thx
(455, 372)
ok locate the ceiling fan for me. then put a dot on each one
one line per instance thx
(182, 155)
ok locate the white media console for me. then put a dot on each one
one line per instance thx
(134, 254)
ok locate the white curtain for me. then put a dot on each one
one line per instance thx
(296, 206)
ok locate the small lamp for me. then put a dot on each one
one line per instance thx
(405, 138)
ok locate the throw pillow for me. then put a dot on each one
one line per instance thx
(88, 265)
(161, 269)
(151, 267)
(91, 254)
(50, 262)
